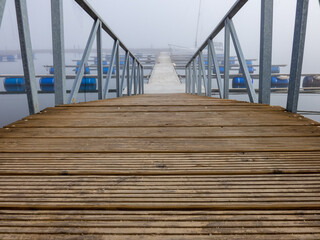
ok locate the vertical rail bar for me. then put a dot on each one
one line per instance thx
(58, 52)
(203, 72)
(265, 51)
(124, 71)
(113, 55)
(199, 80)
(135, 79)
(209, 71)
(26, 54)
(84, 59)
(186, 79)
(118, 72)
(99, 62)
(142, 80)
(226, 61)
(2, 5)
(190, 78)
(194, 79)
(212, 53)
(251, 92)
(138, 79)
(132, 76)
(297, 54)
(128, 77)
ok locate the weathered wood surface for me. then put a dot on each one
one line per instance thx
(160, 167)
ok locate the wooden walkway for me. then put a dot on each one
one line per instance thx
(170, 166)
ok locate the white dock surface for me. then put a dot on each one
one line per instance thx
(164, 78)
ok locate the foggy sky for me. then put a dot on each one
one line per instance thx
(157, 23)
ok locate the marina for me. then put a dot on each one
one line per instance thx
(159, 143)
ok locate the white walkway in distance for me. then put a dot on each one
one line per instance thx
(164, 78)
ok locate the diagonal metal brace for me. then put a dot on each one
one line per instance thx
(251, 92)
(203, 70)
(113, 56)
(84, 59)
(213, 55)
(124, 72)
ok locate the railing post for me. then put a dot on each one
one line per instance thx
(2, 5)
(265, 51)
(226, 60)
(251, 92)
(297, 54)
(58, 52)
(26, 54)
(99, 62)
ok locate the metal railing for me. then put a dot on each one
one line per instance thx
(196, 71)
(132, 69)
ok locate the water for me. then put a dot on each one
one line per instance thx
(13, 107)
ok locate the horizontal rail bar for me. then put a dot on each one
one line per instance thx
(92, 13)
(233, 11)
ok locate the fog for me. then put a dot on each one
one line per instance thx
(158, 23)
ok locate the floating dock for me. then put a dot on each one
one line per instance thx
(161, 166)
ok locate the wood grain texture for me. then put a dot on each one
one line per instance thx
(162, 166)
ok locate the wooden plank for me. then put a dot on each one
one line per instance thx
(166, 132)
(159, 144)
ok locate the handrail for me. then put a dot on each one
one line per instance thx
(132, 69)
(196, 73)
(92, 13)
(233, 11)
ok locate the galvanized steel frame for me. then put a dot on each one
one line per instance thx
(266, 26)
(59, 53)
